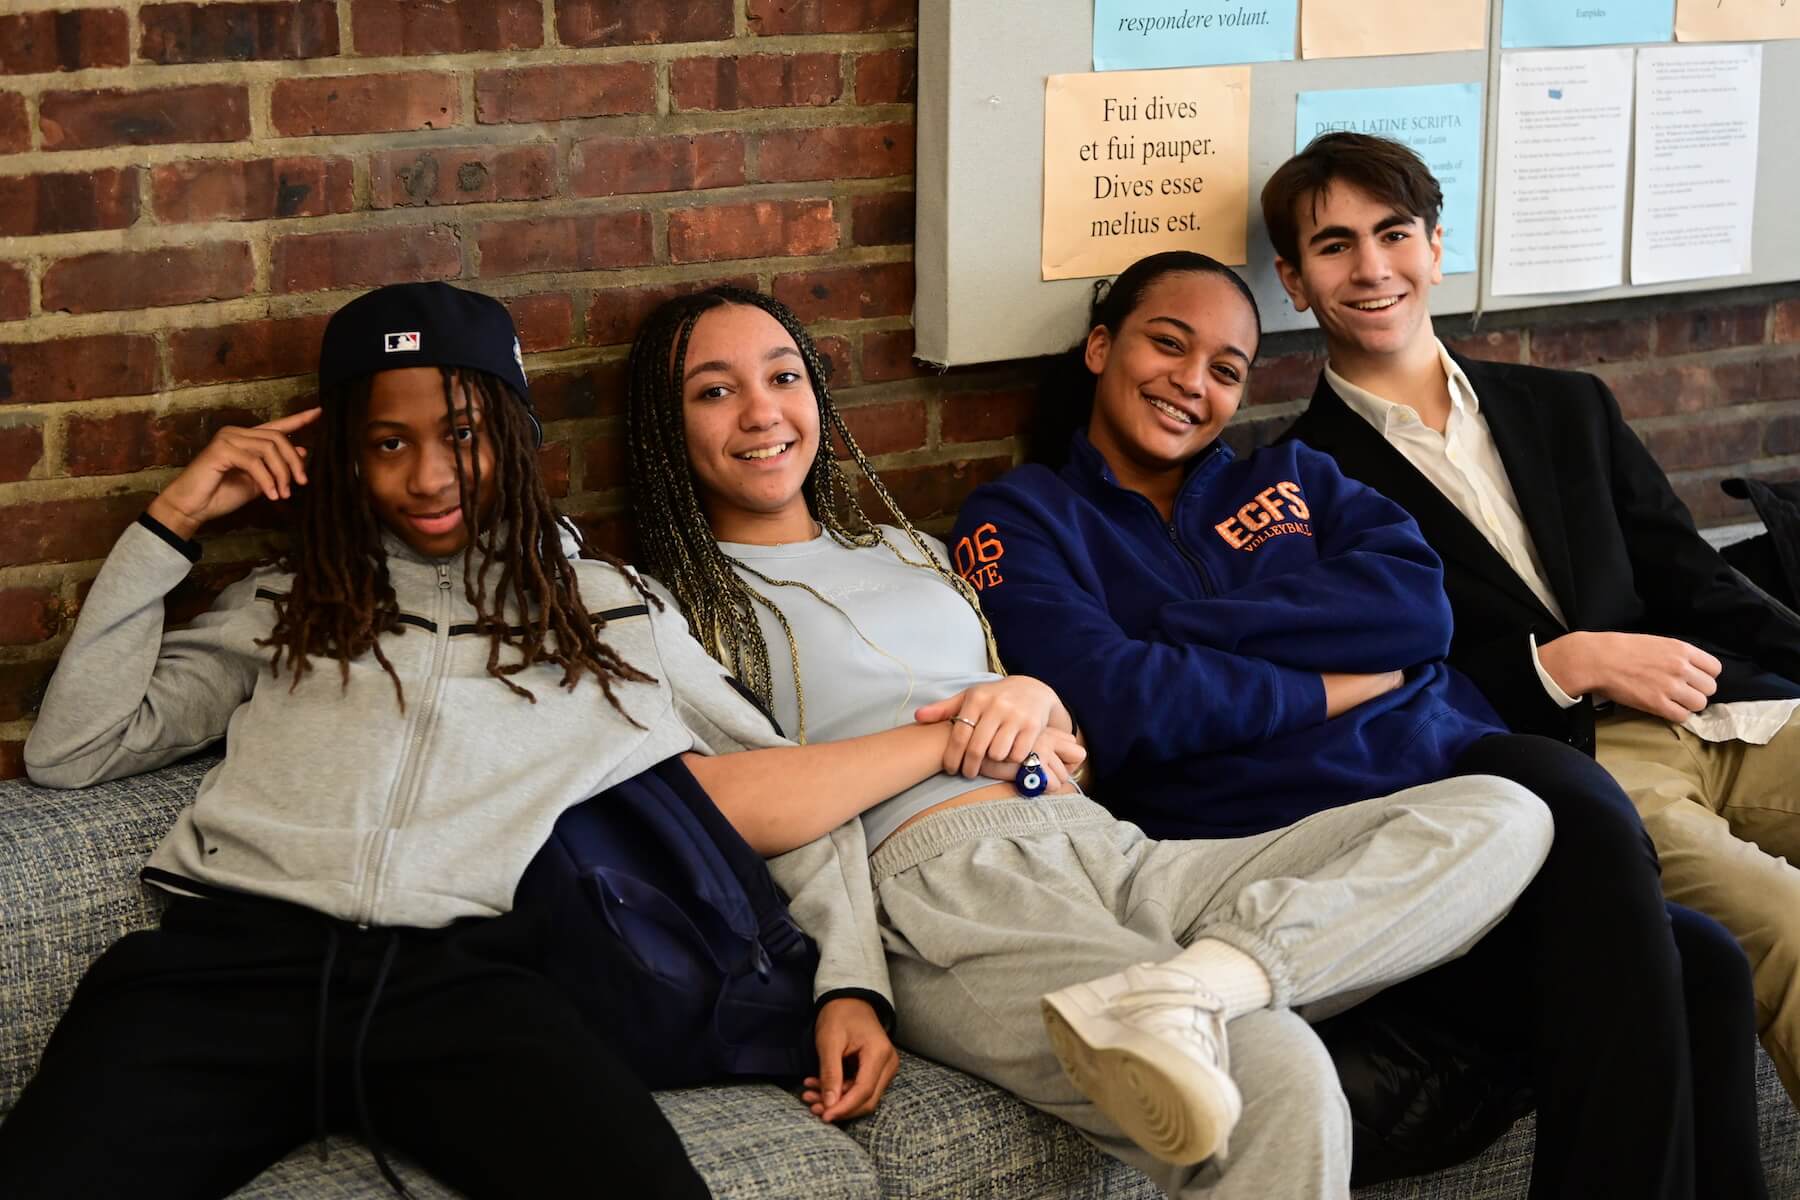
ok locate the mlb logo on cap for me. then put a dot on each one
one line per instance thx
(433, 325)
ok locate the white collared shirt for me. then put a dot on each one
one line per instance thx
(1464, 464)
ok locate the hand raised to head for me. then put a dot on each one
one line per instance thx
(236, 467)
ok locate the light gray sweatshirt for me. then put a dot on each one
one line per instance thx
(331, 796)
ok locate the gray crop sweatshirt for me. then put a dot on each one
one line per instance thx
(331, 796)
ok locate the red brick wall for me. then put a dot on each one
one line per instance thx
(186, 190)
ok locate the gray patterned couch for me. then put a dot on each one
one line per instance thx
(68, 887)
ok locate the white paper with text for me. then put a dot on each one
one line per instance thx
(1559, 186)
(1694, 185)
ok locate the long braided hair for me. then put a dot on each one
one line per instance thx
(342, 602)
(676, 543)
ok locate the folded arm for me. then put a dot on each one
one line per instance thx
(1685, 583)
(1373, 601)
(1143, 700)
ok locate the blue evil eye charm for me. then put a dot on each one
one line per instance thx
(1032, 779)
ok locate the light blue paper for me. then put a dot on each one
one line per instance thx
(1442, 122)
(1528, 23)
(1133, 34)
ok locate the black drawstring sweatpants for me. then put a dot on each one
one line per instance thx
(197, 1054)
(1636, 1035)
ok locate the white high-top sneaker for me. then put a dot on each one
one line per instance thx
(1147, 1046)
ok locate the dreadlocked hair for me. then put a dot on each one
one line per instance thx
(676, 542)
(342, 602)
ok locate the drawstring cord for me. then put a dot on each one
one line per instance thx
(356, 1066)
(331, 953)
(365, 1127)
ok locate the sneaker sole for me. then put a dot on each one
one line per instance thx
(1181, 1119)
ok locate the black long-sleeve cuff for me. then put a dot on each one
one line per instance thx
(187, 546)
(884, 1012)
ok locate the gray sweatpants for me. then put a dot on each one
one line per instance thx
(984, 909)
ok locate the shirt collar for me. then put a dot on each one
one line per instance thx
(1385, 415)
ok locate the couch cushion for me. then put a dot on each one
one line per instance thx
(940, 1135)
(757, 1142)
(69, 889)
(750, 1142)
(348, 1173)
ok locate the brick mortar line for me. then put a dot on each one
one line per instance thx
(241, 546)
(210, 314)
(269, 396)
(1775, 466)
(1776, 406)
(44, 575)
(938, 456)
(1714, 355)
(21, 7)
(347, 63)
(350, 145)
(142, 235)
(84, 487)
(35, 652)
(855, 256)
(1713, 473)
(53, 462)
(546, 10)
(261, 395)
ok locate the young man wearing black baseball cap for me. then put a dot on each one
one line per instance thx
(414, 694)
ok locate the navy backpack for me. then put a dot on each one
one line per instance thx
(666, 928)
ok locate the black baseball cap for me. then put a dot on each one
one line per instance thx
(424, 325)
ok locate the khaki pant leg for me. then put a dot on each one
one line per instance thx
(1760, 788)
(1677, 783)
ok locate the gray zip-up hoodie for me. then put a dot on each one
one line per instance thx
(331, 796)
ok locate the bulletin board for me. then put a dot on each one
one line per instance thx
(980, 183)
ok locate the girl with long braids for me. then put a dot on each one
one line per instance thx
(1140, 990)
(413, 696)
(1253, 643)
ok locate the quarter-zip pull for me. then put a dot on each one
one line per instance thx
(1206, 580)
(444, 576)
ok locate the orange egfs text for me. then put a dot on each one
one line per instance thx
(1271, 512)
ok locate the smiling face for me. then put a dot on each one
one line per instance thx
(1366, 271)
(751, 421)
(409, 453)
(1171, 377)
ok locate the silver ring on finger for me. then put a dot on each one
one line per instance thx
(962, 721)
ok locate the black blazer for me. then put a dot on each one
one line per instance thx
(1619, 550)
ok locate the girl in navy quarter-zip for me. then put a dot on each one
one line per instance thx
(1193, 646)
(1253, 643)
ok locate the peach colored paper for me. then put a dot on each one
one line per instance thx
(1141, 161)
(1736, 20)
(1357, 28)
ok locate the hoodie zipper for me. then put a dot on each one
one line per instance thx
(406, 780)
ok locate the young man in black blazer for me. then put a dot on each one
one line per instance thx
(1587, 605)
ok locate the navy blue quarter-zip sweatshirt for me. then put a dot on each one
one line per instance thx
(1191, 651)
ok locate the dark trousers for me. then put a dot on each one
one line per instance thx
(1632, 1020)
(195, 1055)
